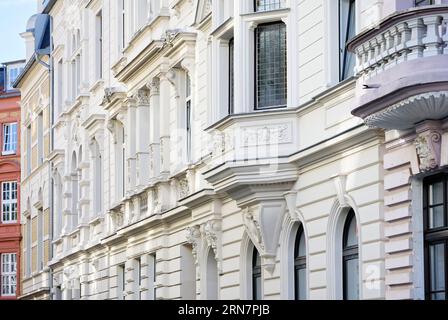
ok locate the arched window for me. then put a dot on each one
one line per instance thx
(256, 276)
(300, 265)
(212, 276)
(350, 258)
(98, 179)
(75, 192)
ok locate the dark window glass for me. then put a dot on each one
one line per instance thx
(419, 3)
(231, 77)
(300, 265)
(266, 5)
(350, 258)
(436, 237)
(347, 30)
(271, 82)
(256, 276)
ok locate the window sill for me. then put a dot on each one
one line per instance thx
(9, 153)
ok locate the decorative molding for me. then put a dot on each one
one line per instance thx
(428, 145)
(340, 183)
(194, 238)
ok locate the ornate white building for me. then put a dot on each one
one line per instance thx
(198, 149)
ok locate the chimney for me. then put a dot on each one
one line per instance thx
(28, 36)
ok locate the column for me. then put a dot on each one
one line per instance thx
(143, 137)
(131, 145)
(154, 126)
(165, 92)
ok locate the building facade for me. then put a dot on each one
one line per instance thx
(269, 149)
(10, 230)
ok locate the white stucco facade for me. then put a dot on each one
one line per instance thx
(139, 210)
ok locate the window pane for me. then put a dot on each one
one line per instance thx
(419, 3)
(347, 30)
(351, 286)
(436, 217)
(300, 283)
(265, 5)
(437, 270)
(257, 288)
(436, 193)
(351, 234)
(271, 83)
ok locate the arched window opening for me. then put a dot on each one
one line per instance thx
(256, 276)
(300, 265)
(350, 258)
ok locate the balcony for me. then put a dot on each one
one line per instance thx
(402, 69)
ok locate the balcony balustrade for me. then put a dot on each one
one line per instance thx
(402, 69)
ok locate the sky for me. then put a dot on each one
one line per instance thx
(14, 15)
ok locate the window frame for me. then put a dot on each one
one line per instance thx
(231, 76)
(420, 3)
(256, 59)
(12, 135)
(11, 284)
(188, 116)
(281, 5)
(10, 202)
(434, 236)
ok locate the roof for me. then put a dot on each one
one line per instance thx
(27, 68)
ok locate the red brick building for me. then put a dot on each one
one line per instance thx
(10, 234)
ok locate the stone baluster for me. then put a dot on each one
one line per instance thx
(416, 44)
(405, 35)
(432, 41)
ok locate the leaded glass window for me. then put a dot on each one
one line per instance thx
(271, 77)
(266, 5)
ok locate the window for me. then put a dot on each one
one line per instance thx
(271, 77)
(75, 191)
(13, 74)
(256, 276)
(300, 265)
(28, 149)
(350, 258)
(347, 30)
(98, 179)
(122, 9)
(212, 276)
(436, 237)
(40, 239)
(231, 77)
(152, 276)
(419, 3)
(188, 273)
(99, 44)
(40, 137)
(8, 274)
(121, 281)
(188, 115)
(28, 246)
(139, 277)
(9, 202)
(266, 5)
(60, 75)
(9, 138)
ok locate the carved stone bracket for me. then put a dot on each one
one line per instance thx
(263, 225)
(428, 145)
